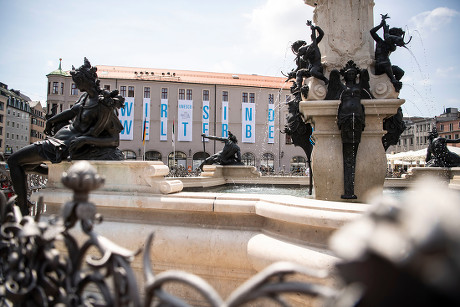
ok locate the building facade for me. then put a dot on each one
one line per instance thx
(17, 129)
(448, 125)
(167, 111)
(4, 93)
(37, 121)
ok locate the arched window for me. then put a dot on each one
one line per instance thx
(267, 163)
(198, 158)
(298, 165)
(129, 155)
(180, 159)
(248, 159)
(152, 156)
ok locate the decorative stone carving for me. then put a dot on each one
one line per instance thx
(342, 44)
(317, 89)
(381, 87)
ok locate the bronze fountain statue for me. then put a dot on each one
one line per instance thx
(350, 116)
(88, 131)
(438, 155)
(229, 155)
(392, 38)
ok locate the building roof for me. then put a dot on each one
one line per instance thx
(59, 71)
(186, 76)
(34, 104)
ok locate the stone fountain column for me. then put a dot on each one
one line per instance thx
(346, 25)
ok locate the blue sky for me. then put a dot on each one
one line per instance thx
(238, 36)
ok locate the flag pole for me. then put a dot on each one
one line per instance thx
(174, 144)
(143, 137)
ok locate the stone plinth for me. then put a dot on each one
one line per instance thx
(327, 160)
(126, 176)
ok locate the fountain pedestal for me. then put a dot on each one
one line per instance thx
(327, 161)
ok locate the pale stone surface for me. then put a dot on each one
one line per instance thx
(140, 176)
(346, 26)
(216, 175)
(327, 159)
(223, 238)
(317, 89)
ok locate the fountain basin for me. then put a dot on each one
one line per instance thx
(224, 238)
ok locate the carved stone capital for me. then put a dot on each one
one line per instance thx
(317, 87)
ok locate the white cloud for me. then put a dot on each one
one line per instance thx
(453, 101)
(224, 66)
(435, 19)
(277, 22)
(450, 72)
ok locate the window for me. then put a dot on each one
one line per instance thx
(123, 91)
(49, 88)
(146, 92)
(252, 98)
(205, 95)
(245, 97)
(1, 130)
(441, 127)
(456, 136)
(164, 93)
(288, 139)
(267, 162)
(107, 87)
(1, 106)
(248, 159)
(73, 90)
(189, 94)
(271, 99)
(130, 91)
(181, 94)
(451, 127)
(153, 156)
(224, 96)
(62, 88)
(129, 154)
(55, 87)
(7, 135)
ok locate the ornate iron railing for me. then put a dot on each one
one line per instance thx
(35, 272)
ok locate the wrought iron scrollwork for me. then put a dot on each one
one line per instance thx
(43, 264)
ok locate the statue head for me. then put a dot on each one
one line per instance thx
(84, 76)
(433, 134)
(296, 46)
(396, 36)
(232, 137)
(351, 71)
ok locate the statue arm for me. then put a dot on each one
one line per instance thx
(428, 152)
(374, 30)
(320, 34)
(64, 116)
(109, 141)
(211, 137)
(453, 141)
